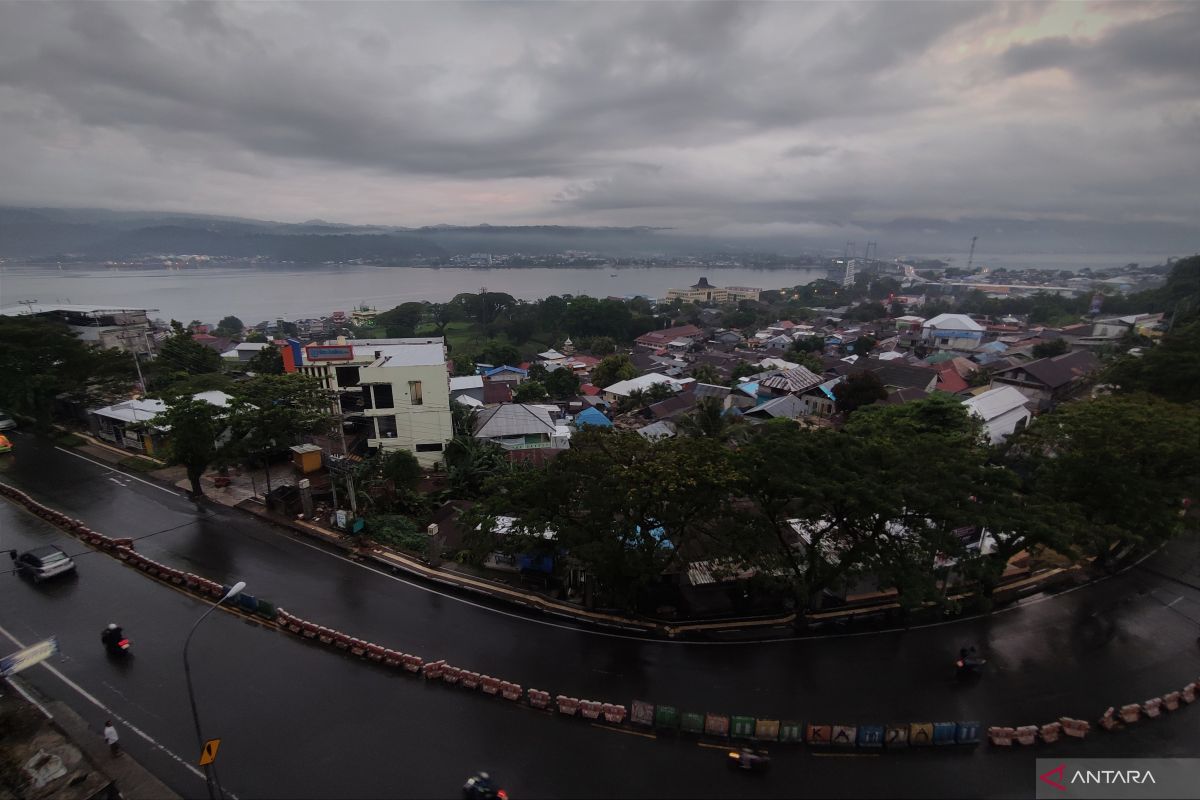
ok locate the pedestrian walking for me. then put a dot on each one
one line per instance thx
(110, 736)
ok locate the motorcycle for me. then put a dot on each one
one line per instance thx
(747, 759)
(481, 787)
(969, 663)
(115, 641)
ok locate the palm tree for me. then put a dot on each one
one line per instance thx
(709, 419)
(470, 462)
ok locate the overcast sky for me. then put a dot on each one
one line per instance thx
(735, 118)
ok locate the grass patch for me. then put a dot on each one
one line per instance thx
(68, 439)
(137, 464)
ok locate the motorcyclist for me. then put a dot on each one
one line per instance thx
(111, 635)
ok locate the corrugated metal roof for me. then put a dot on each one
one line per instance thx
(513, 419)
(996, 402)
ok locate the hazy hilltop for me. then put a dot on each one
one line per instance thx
(52, 234)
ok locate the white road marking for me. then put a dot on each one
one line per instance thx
(109, 712)
(1173, 602)
(122, 474)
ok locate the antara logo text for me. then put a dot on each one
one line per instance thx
(1059, 778)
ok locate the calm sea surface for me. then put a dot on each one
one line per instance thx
(257, 292)
(254, 293)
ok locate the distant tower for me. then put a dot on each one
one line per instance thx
(971, 255)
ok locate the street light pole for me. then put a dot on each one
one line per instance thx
(214, 785)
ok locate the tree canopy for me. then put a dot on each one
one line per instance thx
(42, 360)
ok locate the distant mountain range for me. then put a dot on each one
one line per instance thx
(50, 234)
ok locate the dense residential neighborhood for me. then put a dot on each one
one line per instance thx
(687, 456)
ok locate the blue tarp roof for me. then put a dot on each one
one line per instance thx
(592, 416)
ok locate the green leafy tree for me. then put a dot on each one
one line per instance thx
(230, 326)
(809, 361)
(858, 390)
(706, 373)
(623, 506)
(270, 413)
(1170, 370)
(442, 314)
(1117, 468)
(806, 344)
(192, 442)
(743, 370)
(401, 321)
(180, 355)
(42, 360)
(709, 419)
(471, 463)
(602, 346)
(1054, 347)
(529, 392)
(613, 369)
(268, 361)
(562, 383)
(498, 353)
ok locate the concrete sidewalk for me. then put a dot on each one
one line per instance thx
(132, 779)
(50, 730)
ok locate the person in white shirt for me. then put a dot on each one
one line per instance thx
(110, 736)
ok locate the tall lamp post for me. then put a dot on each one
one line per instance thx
(210, 774)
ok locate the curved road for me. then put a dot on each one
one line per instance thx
(299, 722)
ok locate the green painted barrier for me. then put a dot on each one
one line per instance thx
(791, 731)
(666, 717)
(692, 722)
(266, 609)
(743, 727)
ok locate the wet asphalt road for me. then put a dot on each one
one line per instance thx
(297, 721)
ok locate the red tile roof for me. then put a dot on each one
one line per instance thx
(589, 390)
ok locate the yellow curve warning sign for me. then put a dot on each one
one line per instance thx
(209, 754)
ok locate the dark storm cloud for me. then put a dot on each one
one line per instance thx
(702, 115)
(1163, 47)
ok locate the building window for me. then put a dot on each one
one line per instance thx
(366, 397)
(347, 376)
(386, 427)
(383, 395)
(435, 447)
(414, 393)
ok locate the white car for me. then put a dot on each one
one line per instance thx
(6, 422)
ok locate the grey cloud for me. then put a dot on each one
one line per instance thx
(634, 113)
(1164, 46)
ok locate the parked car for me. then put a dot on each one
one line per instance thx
(43, 562)
(6, 422)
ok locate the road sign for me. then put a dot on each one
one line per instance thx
(23, 659)
(209, 754)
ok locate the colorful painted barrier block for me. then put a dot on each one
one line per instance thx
(943, 732)
(691, 722)
(791, 731)
(716, 724)
(895, 736)
(818, 735)
(743, 727)
(920, 734)
(666, 717)
(766, 730)
(843, 735)
(870, 736)
(968, 732)
(641, 713)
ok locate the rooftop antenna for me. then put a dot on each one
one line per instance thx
(29, 304)
(971, 255)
